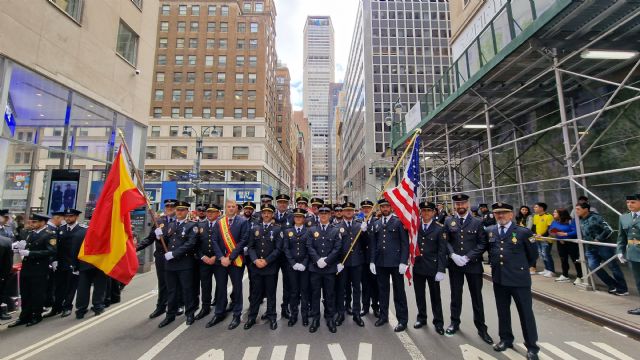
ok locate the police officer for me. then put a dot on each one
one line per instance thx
(370, 294)
(429, 266)
(88, 275)
(350, 272)
(629, 240)
(248, 212)
(324, 253)
(207, 257)
(6, 261)
(283, 217)
(512, 251)
(160, 262)
(466, 242)
(36, 251)
(338, 213)
(389, 247)
(295, 250)
(201, 212)
(265, 244)
(313, 216)
(486, 215)
(54, 224)
(265, 199)
(302, 203)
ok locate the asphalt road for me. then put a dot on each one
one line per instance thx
(125, 332)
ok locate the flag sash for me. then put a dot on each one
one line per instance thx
(229, 241)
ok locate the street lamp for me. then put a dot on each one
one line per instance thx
(187, 130)
(391, 122)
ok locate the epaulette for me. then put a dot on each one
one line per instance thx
(83, 226)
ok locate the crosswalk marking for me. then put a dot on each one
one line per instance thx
(365, 351)
(336, 352)
(302, 352)
(612, 351)
(541, 355)
(589, 351)
(251, 353)
(511, 354)
(279, 352)
(470, 352)
(556, 351)
(213, 354)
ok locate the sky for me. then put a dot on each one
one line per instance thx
(291, 16)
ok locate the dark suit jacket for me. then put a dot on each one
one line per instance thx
(206, 243)
(433, 250)
(240, 232)
(41, 246)
(69, 244)
(468, 239)
(6, 261)
(512, 255)
(389, 244)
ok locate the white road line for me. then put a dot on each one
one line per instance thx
(279, 352)
(556, 351)
(511, 354)
(613, 351)
(589, 351)
(336, 352)
(302, 352)
(160, 345)
(406, 341)
(365, 351)
(67, 333)
(470, 352)
(213, 354)
(615, 332)
(251, 353)
(541, 355)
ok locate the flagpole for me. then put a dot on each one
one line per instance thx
(136, 171)
(393, 173)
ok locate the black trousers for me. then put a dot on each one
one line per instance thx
(222, 275)
(51, 289)
(569, 250)
(263, 284)
(33, 293)
(370, 293)
(87, 278)
(419, 286)
(285, 268)
(206, 283)
(522, 298)
(66, 286)
(112, 294)
(180, 288)
(163, 294)
(474, 282)
(399, 295)
(299, 293)
(325, 283)
(349, 279)
(196, 282)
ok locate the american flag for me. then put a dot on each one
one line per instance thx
(404, 201)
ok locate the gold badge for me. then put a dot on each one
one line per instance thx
(453, 223)
(309, 223)
(490, 234)
(52, 242)
(290, 233)
(316, 234)
(257, 232)
(514, 240)
(201, 230)
(195, 229)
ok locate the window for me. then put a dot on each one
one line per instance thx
(217, 131)
(193, 43)
(192, 60)
(127, 45)
(188, 113)
(194, 26)
(163, 43)
(253, 61)
(219, 113)
(208, 78)
(210, 152)
(224, 10)
(222, 60)
(176, 95)
(164, 26)
(221, 77)
(195, 10)
(160, 77)
(211, 43)
(242, 27)
(151, 152)
(251, 113)
(179, 43)
(179, 60)
(219, 94)
(157, 113)
(237, 131)
(178, 152)
(182, 10)
(222, 43)
(238, 95)
(166, 9)
(173, 131)
(237, 113)
(175, 113)
(239, 60)
(208, 60)
(155, 131)
(251, 131)
(224, 27)
(253, 43)
(240, 44)
(177, 77)
(254, 27)
(159, 95)
(191, 77)
(253, 78)
(73, 8)
(246, 6)
(206, 94)
(212, 10)
(244, 175)
(211, 27)
(188, 95)
(251, 96)
(239, 78)
(206, 113)
(240, 153)
(259, 7)
(182, 26)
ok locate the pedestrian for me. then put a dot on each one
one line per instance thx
(206, 254)
(370, 293)
(295, 249)
(594, 228)
(350, 271)
(582, 200)
(629, 240)
(541, 222)
(524, 217)
(511, 251)
(564, 227)
(466, 243)
(430, 267)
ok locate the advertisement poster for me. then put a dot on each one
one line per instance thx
(17, 181)
(63, 191)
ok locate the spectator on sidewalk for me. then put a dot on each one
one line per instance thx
(582, 200)
(564, 227)
(524, 217)
(629, 240)
(594, 228)
(541, 222)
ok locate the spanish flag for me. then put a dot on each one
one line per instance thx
(108, 244)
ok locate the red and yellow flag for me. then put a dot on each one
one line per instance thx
(108, 244)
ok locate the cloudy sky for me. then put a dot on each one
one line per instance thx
(289, 35)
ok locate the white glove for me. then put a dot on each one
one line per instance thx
(76, 273)
(168, 255)
(321, 263)
(363, 227)
(372, 268)
(54, 265)
(439, 276)
(402, 268)
(19, 245)
(158, 233)
(296, 266)
(622, 259)
(465, 260)
(302, 267)
(458, 260)
(340, 268)
(24, 253)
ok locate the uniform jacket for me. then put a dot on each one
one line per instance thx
(285, 220)
(388, 244)
(151, 238)
(324, 243)
(357, 256)
(6, 260)
(295, 246)
(511, 255)
(7, 234)
(488, 219)
(181, 240)
(467, 239)
(433, 250)
(629, 230)
(365, 238)
(239, 230)
(41, 246)
(265, 243)
(206, 245)
(69, 243)
(311, 220)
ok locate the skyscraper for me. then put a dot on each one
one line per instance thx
(334, 96)
(319, 73)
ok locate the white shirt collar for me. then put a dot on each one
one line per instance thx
(506, 226)
(299, 227)
(428, 224)
(72, 226)
(39, 230)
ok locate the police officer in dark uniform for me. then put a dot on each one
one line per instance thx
(338, 215)
(88, 275)
(265, 199)
(38, 248)
(324, 247)
(313, 216)
(466, 242)
(160, 262)
(207, 257)
(54, 224)
(486, 215)
(302, 203)
(295, 250)
(248, 212)
(350, 272)
(512, 251)
(370, 293)
(429, 266)
(201, 212)
(265, 244)
(283, 217)
(389, 247)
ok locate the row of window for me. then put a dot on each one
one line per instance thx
(205, 175)
(194, 26)
(212, 10)
(187, 113)
(208, 153)
(394, 33)
(213, 131)
(408, 15)
(207, 95)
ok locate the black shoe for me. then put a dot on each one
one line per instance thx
(376, 313)
(203, 313)
(305, 322)
(634, 311)
(349, 311)
(331, 324)
(273, 325)
(314, 326)
(51, 313)
(381, 322)
(18, 323)
(292, 321)
(234, 323)
(400, 328)
(180, 311)
(532, 355)
(339, 319)
(502, 346)
(97, 312)
(34, 322)
(79, 315)
(440, 330)
(364, 312)
(215, 320)
(65, 313)
(157, 312)
(166, 321)
(190, 320)
(358, 320)
(419, 324)
(451, 330)
(249, 324)
(485, 337)
(264, 317)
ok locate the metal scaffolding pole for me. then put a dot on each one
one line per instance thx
(446, 139)
(484, 200)
(492, 181)
(518, 168)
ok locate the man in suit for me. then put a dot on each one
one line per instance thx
(512, 251)
(231, 234)
(389, 246)
(69, 197)
(466, 242)
(429, 267)
(629, 240)
(207, 257)
(295, 250)
(181, 238)
(324, 252)
(350, 272)
(370, 294)
(442, 212)
(283, 217)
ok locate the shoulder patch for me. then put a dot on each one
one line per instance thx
(316, 234)
(195, 229)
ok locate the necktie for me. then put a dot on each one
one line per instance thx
(502, 230)
(210, 226)
(349, 224)
(384, 221)
(635, 216)
(424, 227)
(230, 221)
(298, 230)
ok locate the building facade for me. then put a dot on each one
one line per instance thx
(214, 98)
(319, 73)
(283, 110)
(334, 97)
(303, 149)
(398, 50)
